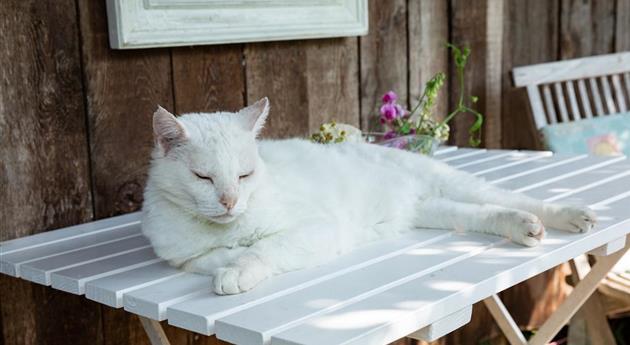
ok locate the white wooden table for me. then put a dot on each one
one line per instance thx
(422, 285)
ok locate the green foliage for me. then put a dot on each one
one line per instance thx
(461, 58)
(425, 124)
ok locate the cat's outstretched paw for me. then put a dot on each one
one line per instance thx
(570, 218)
(528, 229)
(236, 279)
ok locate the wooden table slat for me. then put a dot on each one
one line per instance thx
(10, 263)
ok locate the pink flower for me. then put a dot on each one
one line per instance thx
(389, 97)
(389, 135)
(389, 112)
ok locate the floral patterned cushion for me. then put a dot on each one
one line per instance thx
(604, 136)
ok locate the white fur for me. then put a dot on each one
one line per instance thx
(306, 203)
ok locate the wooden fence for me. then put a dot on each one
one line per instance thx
(75, 116)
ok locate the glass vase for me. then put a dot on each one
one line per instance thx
(424, 144)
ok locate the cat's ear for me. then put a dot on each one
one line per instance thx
(167, 130)
(254, 116)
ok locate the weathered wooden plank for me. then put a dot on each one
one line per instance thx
(622, 26)
(597, 99)
(608, 98)
(332, 82)
(536, 106)
(562, 106)
(493, 60)
(575, 68)
(619, 94)
(479, 25)
(427, 22)
(468, 29)
(208, 79)
(45, 181)
(575, 109)
(383, 54)
(587, 27)
(586, 103)
(123, 89)
(549, 105)
(307, 83)
(275, 70)
(530, 36)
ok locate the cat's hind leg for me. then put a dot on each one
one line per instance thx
(519, 226)
(464, 187)
(557, 216)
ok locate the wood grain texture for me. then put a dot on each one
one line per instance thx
(308, 83)
(44, 178)
(383, 62)
(123, 88)
(469, 22)
(587, 28)
(276, 70)
(332, 81)
(530, 36)
(208, 79)
(493, 59)
(622, 26)
(427, 22)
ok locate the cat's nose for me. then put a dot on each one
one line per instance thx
(228, 201)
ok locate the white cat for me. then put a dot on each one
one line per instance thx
(220, 202)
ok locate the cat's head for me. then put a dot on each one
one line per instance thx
(208, 164)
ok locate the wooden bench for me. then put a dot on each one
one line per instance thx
(421, 285)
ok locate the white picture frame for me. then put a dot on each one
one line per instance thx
(169, 23)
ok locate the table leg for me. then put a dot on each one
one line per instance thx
(576, 299)
(592, 314)
(154, 331)
(504, 320)
(582, 291)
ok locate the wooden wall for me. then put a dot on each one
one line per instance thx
(75, 117)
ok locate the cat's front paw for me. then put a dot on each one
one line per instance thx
(527, 229)
(236, 279)
(570, 218)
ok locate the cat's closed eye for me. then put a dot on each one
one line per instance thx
(208, 178)
(245, 176)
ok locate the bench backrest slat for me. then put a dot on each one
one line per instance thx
(603, 88)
